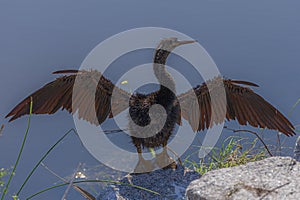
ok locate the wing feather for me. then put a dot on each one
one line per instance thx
(59, 94)
(242, 105)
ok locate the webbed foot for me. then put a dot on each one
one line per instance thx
(143, 166)
(164, 161)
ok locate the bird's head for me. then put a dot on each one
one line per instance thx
(169, 44)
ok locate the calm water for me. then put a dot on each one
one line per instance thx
(253, 40)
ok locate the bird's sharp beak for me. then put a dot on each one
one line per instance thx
(185, 42)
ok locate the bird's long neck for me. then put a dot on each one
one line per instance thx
(166, 81)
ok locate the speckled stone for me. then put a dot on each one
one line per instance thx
(271, 178)
(170, 184)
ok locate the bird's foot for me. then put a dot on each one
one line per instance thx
(143, 166)
(164, 161)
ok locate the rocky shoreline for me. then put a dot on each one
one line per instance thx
(271, 178)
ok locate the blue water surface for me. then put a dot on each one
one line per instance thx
(255, 40)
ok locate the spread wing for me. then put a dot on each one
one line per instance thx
(92, 95)
(242, 104)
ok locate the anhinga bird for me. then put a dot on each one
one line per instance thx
(243, 104)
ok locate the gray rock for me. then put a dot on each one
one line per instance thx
(271, 178)
(297, 150)
(170, 184)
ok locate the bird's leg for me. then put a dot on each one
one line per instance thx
(143, 165)
(163, 160)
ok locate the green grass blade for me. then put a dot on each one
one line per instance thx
(41, 160)
(20, 152)
(92, 181)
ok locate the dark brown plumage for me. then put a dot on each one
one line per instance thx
(242, 104)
